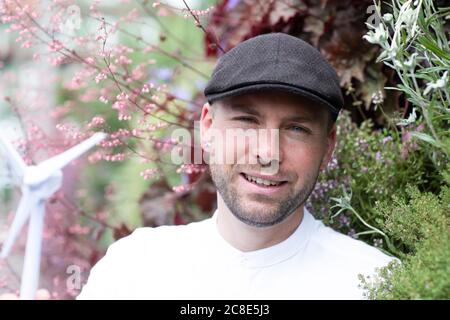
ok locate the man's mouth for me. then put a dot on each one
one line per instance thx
(262, 182)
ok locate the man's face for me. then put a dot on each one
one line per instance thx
(304, 147)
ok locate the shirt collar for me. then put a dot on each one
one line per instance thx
(270, 255)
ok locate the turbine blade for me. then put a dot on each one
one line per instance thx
(32, 263)
(26, 204)
(63, 159)
(13, 158)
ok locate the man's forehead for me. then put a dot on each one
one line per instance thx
(254, 103)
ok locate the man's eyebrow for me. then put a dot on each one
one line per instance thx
(246, 108)
(299, 119)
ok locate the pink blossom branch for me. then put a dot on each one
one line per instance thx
(68, 204)
(159, 49)
(72, 53)
(199, 25)
(164, 28)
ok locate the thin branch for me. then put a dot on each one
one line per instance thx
(163, 27)
(199, 25)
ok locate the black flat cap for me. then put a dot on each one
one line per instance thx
(276, 61)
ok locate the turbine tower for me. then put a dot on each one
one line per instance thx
(38, 183)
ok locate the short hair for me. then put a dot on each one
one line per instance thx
(330, 121)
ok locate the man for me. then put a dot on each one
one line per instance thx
(261, 243)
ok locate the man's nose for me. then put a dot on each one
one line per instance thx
(269, 144)
(268, 151)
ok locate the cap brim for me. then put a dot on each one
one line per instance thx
(266, 86)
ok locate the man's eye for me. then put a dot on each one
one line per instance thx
(297, 129)
(245, 119)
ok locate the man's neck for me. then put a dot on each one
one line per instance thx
(249, 238)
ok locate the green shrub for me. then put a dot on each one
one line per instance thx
(421, 221)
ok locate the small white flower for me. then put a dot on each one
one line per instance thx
(408, 17)
(392, 53)
(411, 62)
(383, 55)
(378, 37)
(411, 119)
(377, 97)
(387, 17)
(439, 84)
(397, 63)
(393, 49)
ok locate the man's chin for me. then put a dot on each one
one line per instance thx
(258, 214)
(259, 220)
(256, 201)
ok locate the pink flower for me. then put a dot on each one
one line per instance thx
(26, 45)
(90, 60)
(103, 99)
(123, 60)
(182, 188)
(122, 96)
(56, 61)
(146, 87)
(114, 157)
(149, 107)
(56, 45)
(123, 116)
(147, 174)
(96, 121)
(101, 76)
(95, 157)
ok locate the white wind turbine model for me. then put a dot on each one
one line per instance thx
(38, 183)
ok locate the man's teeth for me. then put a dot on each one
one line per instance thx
(261, 181)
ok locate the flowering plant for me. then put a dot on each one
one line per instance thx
(101, 70)
(415, 44)
(91, 69)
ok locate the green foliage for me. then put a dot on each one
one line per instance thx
(371, 166)
(421, 218)
(421, 221)
(415, 44)
(419, 52)
(396, 179)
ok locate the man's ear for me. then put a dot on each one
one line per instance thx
(331, 144)
(206, 120)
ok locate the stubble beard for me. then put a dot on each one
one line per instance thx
(262, 217)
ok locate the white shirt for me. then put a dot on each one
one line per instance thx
(195, 262)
